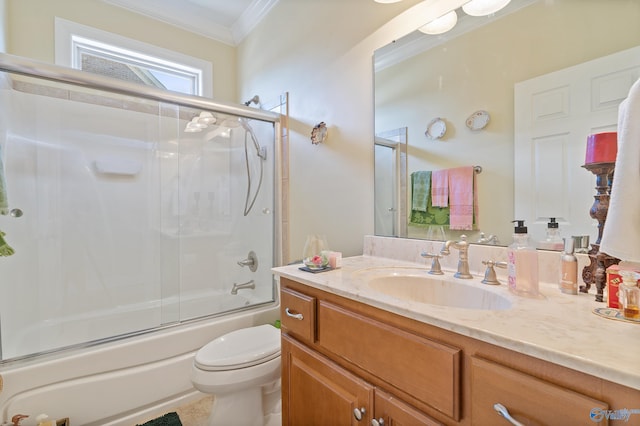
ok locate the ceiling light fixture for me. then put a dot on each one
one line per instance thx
(484, 7)
(440, 25)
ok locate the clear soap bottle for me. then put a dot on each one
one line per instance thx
(522, 263)
(553, 240)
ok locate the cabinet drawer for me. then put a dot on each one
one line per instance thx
(421, 368)
(390, 410)
(298, 314)
(530, 400)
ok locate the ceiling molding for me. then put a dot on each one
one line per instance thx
(250, 18)
(199, 19)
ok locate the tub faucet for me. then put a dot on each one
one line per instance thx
(463, 258)
(248, 284)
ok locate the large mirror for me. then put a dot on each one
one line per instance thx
(517, 94)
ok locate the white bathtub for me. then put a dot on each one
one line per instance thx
(117, 383)
(69, 330)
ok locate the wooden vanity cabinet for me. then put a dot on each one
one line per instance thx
(318, 392)
(530, 400)
(344, 360)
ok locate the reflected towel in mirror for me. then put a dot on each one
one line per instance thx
(440, 188)
(462, 198)
(421, 186)
(430, 215)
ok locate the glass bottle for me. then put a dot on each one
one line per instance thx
(569, 268)
(522, 263)
(629, 294)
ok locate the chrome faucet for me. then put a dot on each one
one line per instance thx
(491, 239)
(248, 284)
(463, 258)
(251, 261)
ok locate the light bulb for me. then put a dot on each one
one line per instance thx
(440, 25)
(484, 7)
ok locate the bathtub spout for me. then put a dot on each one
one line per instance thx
(248, 284)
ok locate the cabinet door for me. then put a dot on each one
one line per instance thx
(529, 400)
(416, 367)
(315, 391)
(390, 411)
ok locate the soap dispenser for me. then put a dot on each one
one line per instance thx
(522, 263)
(553, 240)
(569, 268)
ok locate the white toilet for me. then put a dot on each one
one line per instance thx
(242, 370)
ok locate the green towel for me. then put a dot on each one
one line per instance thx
(4, 202)
(430, 215)
(421, 190)
(169, 419)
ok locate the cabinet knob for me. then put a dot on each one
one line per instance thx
(359, 413)
(502, 411)
(296, 316)
(378, 422)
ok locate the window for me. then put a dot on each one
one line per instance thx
(100, 52)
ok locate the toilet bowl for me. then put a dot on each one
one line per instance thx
(242, 370)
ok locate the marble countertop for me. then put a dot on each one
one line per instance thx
(558, 328)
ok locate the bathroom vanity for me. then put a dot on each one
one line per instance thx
(352, 354)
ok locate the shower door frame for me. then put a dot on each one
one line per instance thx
(36, 69)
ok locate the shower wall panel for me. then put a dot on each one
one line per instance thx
(124, 211)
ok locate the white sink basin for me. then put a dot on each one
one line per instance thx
(416, 285)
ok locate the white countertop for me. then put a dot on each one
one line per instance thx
(559, 328)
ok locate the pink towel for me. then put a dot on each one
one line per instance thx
(440, 188)
(461, 198)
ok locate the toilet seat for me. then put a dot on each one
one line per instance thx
(240, 349)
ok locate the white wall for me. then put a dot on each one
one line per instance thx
(321, 53)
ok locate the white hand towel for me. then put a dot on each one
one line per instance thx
(621, 234)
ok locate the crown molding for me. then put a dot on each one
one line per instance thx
(197, 19)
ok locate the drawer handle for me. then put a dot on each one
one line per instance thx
(296, 316)
(502, 410)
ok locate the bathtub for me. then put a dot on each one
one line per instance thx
(118, 383)
(92, 326)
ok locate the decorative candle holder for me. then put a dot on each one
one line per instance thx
(595, 272)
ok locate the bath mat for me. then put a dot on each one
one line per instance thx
(169, 419)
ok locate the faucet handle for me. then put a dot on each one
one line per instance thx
(435, 262)
(490, 274)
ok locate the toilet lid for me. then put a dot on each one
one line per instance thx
(240, 349)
